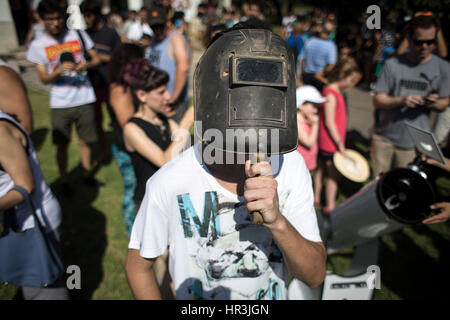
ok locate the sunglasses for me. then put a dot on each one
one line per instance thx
(420, 43)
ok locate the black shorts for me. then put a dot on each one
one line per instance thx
(82, 116)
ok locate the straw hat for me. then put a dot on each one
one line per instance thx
(354, 167)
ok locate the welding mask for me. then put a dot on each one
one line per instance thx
(244, 90)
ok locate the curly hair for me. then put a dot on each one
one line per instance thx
(123, 54)
(139, 74)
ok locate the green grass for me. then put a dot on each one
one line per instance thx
(414, 266)
(93, 232)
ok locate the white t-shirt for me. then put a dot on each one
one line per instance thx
(73, 89)
(137, 30)
(215, 250)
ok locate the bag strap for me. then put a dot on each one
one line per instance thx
(26, 195)
(82, 41)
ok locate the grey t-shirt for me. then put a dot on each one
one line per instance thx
(401, 77)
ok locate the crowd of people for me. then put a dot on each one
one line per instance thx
(138, 66)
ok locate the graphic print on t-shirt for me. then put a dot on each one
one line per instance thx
(154, 57)
(231, 257)
(66, 51)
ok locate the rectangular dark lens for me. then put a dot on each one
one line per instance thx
(254, 70)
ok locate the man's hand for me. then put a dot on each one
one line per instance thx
(66, 66)
(81, 67)
(413, 101)
(438, 164)
(442, 216)
(261, 191)
(431, 99)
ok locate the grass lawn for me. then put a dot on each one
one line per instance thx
(93, 236)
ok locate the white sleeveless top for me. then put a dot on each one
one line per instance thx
(47, 206)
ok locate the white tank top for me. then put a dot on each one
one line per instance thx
(47, 206)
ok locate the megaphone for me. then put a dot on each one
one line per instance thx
(395, 199)
(400, 197)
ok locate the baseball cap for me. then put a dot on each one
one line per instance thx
(157, 15)
(308, 93)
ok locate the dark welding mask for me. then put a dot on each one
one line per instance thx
(244, 94)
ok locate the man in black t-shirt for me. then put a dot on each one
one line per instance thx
(105, 40)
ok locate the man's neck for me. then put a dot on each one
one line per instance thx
(56, 36)
(230, 176)
(417, 60)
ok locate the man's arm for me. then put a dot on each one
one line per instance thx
(49, 78)
(14, 99)
(385, 102)
(141, 276)
(14, 161)
(182, 65)
(305, 259)
(92, 63)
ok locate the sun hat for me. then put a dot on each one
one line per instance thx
(354, 167)
(309, 93)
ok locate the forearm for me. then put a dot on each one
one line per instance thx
(402, 47)
(10, 199)
(440, 105)
(313, 135)
(310, 140)
(441, 45)
(49, 78)
(141, 278)
(306, 260)
(180, 81)
(386, 102)
(179, 140)
(334, 134)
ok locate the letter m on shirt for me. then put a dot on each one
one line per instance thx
(191, 221)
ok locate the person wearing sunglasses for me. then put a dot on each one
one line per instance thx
(410, 86)
(441, 46)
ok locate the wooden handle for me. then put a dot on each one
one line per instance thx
(257, 217)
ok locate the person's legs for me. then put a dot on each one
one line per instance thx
(102, 94)
(318, 178)
(126, 169)
(87, 135)
(61, 120)
(85, 157)
(403, 157)
(331, 186)
(381, 155)
(62, 160)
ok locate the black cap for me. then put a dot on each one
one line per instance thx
(157, 15)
